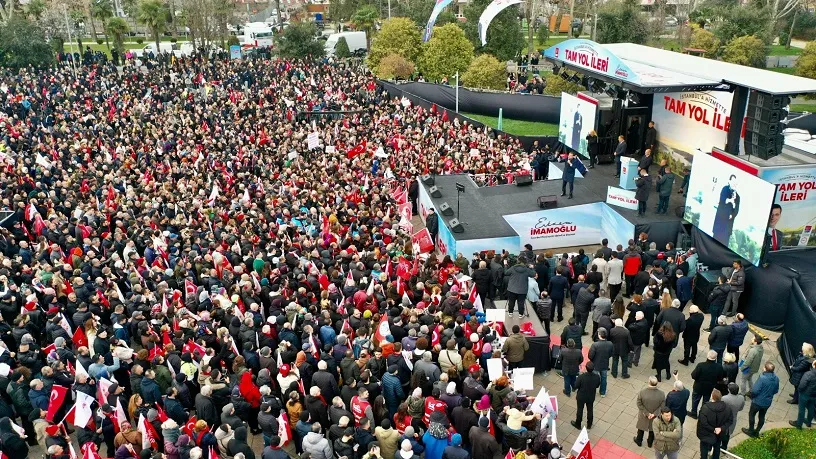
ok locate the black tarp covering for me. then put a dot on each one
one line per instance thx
(800, 323)
(538, 356)
(400, 90)
(801, 261)
(527, 107)
(807, 123)
(660, 233)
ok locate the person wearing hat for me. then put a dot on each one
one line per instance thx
(483, 444)
(274, 449)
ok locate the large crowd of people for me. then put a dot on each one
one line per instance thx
(184, 269)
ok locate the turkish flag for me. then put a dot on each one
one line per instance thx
(424, 240)
(284, 430)
(188, 427)
(79, 338)
(357, 150)
(58, 394)
(404, 268)
(586, 453)
(162, 414)
(189, 288)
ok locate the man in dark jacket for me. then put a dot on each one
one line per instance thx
(761, 395)
(432, 223)
(715, 417)
(683, 288)
(691, 335)
(325, 381)
(677, 400)
(497, 272)
(739, 328)
(639, 331)
(706, 376)
(585, 387)
(583, 304)
(719, 337)
(517, 287)
(651, 307)
(572, 332)
(807, 398)
(239, 444)
(621, 347)
(716, 300)
(571, 359)
(174, 408)
(150, 388)
(558, 287)
(643, 183)
(392, 390)
(205, 407)
(599, 354)
(483, 444)
(664, 189)
(274, 451)
(483, 280)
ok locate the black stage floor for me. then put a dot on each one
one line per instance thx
(482, 209)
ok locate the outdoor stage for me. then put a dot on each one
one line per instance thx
(508, 216)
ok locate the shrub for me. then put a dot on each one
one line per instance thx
(233, 41)
(556, 85)
(485, 72)
(394, 66)
(703, 39)
(396, 36)
(543, 33)
(806, 63)
(446, 53)
(173, 40)
(99, 41)
(341, 49)
(139, 40)
(748, 50)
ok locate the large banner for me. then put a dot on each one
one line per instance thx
(796, 197)
(577, 120)
(440, 5)
(615, 227)
(688, 121)
(564, 227)
(490, 12)
(592, 56)
(471, 246)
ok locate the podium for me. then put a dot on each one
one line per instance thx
(628, 173)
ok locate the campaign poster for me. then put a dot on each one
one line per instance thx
(576, 121)
(795, 215)
(730, 205)
(445, 242)
(564, 227)
(423, 240)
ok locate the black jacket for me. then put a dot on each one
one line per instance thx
(483, 279)
(718, 296)
(639, 330)
(586, 386)
(718, 339)
(693, 325)
(599, 354)
(621, 341)
(706, 375)
(713, 415)
(484, 445)
(643, 184)
(239, 444)
(571, 361)
(673, 316)
(205, 409)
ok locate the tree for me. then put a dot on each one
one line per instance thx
(621, 22)
(153, 15)
(23, 44)
(365, 19)
(117, 28)
(35, 9)
(504, 37)
(556, 85)
(806, 64)
(420, 10)
(703, 39)
(742, 21)
(394, 66)
(397, 36)
(7, 8)
(298, 41)
(748, 50)
(485, 72)
(447, 52)
(102, 10)
(341, 49)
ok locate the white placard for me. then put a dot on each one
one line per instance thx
(494, 369)
(539, 403)
(330, 149)
(292, 155)
(622, 198)
(313, 140)
(474, 152)
(523, 379)
(495, 315)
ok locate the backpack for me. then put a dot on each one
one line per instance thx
(360, 344)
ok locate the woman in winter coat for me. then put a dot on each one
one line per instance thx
(203, 438)
(799, 367)
(128, 435)
(223, 435)
(663, 344)
(171, 433)
(435, 441)
(239, 444)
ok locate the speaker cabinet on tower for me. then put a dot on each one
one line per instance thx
(456, 226)
(434, 192)
(446, 210)
(428, 179)
(524, 180)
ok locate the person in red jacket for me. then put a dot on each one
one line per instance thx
(631, 266)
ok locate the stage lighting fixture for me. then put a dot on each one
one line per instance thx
(460, 187)
(575, 78)
(565, 75)
(556, 69)
(596, 86)
(634, 98)
(611, 91)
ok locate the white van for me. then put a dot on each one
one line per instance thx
(257, 35)
(354, 40)
(177, 49)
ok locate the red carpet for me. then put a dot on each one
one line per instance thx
(555, 340)
(608, 450)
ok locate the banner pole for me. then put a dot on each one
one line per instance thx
(499, 127)
(457, 92)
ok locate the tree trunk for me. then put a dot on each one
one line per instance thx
(559, 16)
(173, 28)
(156, 38)
(280, 15)
(790, 32)
(107, 42)
(531, 27)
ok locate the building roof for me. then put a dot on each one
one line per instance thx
(710, 69)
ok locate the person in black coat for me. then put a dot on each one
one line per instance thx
(13, 444)
(174, 408)
(675, 317)
(706, 375)
(571, 359)
(712, 424)
(639, 331)
(644, 184)
(691, 335)
(585, 389)
(568, 176)
(621, 346)
(592, 148)
(205, 407)
(716, 300)
(483, 279)
(718, 339)
(432, 223)
(677, 400)
(239, 444)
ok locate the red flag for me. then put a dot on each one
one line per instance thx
(58, 394)
(510, 454)
(193, 347)
(162, 414)
(423, 239)
(490, 427)
(166, 338)
(445, 115)
(284, 430)
(79, 338)
(149, 434)
(213, 453)
(300, 386)
(586, 453)
(103, 299)
(89, 451)
(404, 269)
(188, 427)
(435, 336)
(383, 329)
(357, 150)
(189, 289)
(67, 287)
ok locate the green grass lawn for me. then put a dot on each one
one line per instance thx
(785, 70)
(779, 444)
(779, 50)
(803, 107)
(517, 127)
